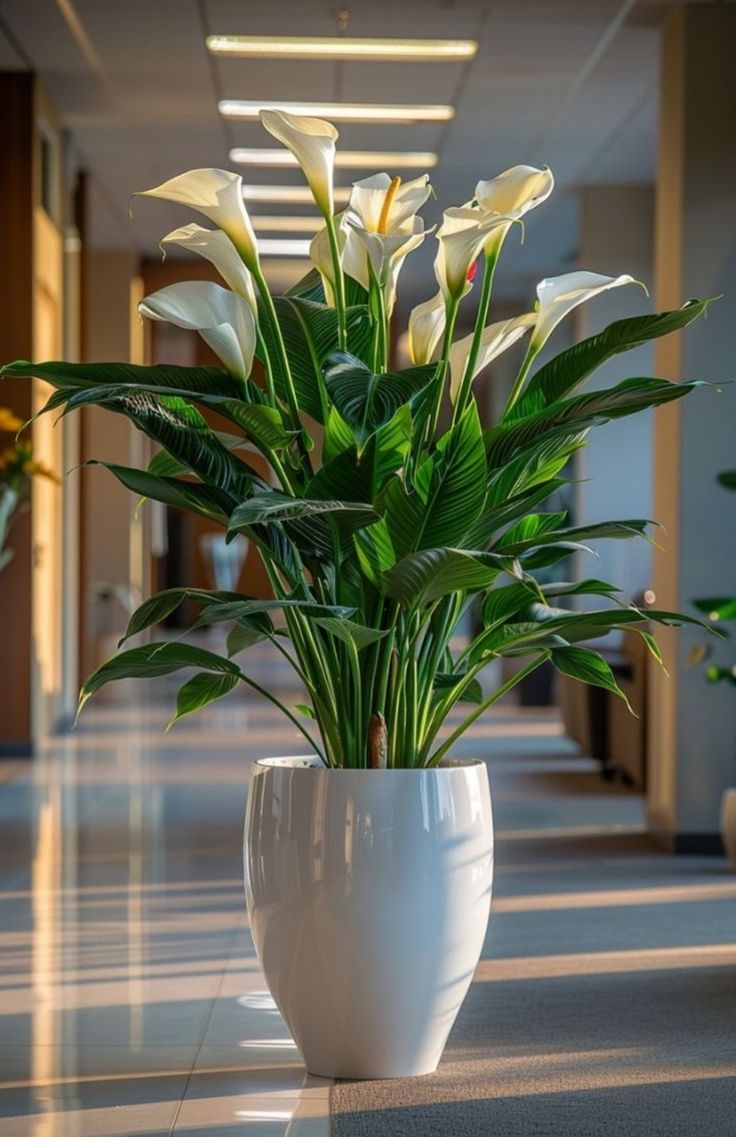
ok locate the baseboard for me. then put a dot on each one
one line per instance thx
(698, 844)
(11, 750)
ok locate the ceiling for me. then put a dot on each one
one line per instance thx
(570, 83)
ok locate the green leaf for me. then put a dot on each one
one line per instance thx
(589, 667)
(206, 501)
(717, 607)
(200, 690)
(422, 577)
(375, 551)
(153, 660)
(367, 401)
(609, 529)
(349, 631)
(448, 495)
(716, 674)
(156, 608)
(473, 693)
(309, 331)
(338, 436)
(264, 509)
(727, 479)
(72, 376)
(570, 417)
(241, 637)
(571, 367)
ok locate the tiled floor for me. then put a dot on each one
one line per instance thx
(131, 1001)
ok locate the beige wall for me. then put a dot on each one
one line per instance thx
(106, 506)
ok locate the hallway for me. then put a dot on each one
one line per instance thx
(132, 1002)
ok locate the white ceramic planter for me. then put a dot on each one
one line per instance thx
(728, 825)
(369, 894)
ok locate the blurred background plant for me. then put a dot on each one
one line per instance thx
(718, 609)
(17, 468)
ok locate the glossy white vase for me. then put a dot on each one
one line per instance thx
(369, 894)
(728, 825)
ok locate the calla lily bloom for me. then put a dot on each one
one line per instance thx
(217, 248)
(312, 142)
(462, 236)
(495, 340)
(223, 319)
(218, 196)
(382, 228)
(426, 328)
(513, 193)
(559, 295)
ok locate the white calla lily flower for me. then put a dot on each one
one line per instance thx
(223, 319)
(218, 196)
(496, 339)
(559, 295)
(216, 247)
(382, 228)
(312, 142)
(515, 191)
(462, 236)
(426, 328)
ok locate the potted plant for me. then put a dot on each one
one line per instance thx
(719, 609)
(17, 468)
(368, 862)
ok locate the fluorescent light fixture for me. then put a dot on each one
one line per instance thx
(346, 159)
(268, 223)
(340, 112)
(343, 47)
(273, 247)
(290, 195)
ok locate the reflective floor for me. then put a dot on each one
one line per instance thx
(131, 1001)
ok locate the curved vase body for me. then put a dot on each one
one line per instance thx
(728, 825)
(369, 894)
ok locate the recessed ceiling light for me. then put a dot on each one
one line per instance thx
(290, 195)
(283, 248)
(265, 223)
(345, 159)
(340, 112)
(339, 47)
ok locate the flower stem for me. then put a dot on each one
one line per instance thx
(452, 310)
(480, 324)
(340, 302)
(520, 379)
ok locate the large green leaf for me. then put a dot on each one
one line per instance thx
(513, 545)
(572, 416)
(200, 690)
(589, 667)
(118, 376)
(153, 660)
(309, 331)
(425, 576)
(367, 401)
(376, 554)
(350, 632)
(448, 495)
(157, 607)
(207, 501)
(263, 509)
(571, 367)
(187, 437)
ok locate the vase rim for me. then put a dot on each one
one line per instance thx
(306, 762)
